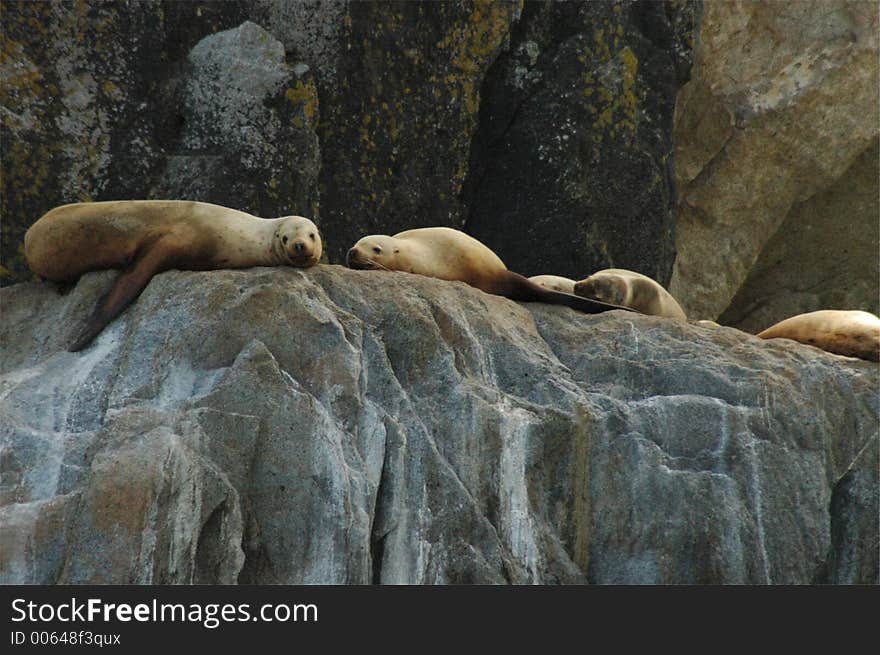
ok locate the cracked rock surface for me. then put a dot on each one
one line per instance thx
(338, 426)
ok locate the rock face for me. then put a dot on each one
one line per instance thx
(824, 255)
(574, 148)
(398, 119)
(366, 117)
(245, 115)
(337, 426)
(110, 101)
(776, 134)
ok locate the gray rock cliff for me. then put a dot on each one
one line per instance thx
(337, 426)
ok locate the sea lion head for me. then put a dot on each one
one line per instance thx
(297, 242)
(606, 288)
(376, 251)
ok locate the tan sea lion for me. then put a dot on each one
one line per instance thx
(554, 283)
(448, 254)
(630, 289)
(843, 332)
(145, 237)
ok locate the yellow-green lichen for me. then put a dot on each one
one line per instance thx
(394, 109)
(21, 79)
(15, 268)
(305, 96)
(473, 42)
(610, 78)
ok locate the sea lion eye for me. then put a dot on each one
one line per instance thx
(312, 237)
(377, 249)
(284, 240)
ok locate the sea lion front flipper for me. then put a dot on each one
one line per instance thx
(156, 257)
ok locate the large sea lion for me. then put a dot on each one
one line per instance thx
(843, 332)
(630, 289)
(554, 283)
(145, 237)
(448, 254)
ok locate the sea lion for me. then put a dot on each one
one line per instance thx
(844, 332)
(448, 254)
(145, 237)
(630, 289)
(554, 283)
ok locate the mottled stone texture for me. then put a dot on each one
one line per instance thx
(90, 104)
(397, 125)
(247, 126)
(777, 162)
(366, 116)
(338, 426)
(571, 170)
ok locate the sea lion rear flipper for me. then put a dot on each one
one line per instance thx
(127, 286)
(588, 305)
(517, 287)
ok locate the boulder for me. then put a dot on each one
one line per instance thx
(776, 162)
(325, 425)
(823, 256)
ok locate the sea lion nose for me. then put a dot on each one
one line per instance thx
(351, 253)
(299, 246)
